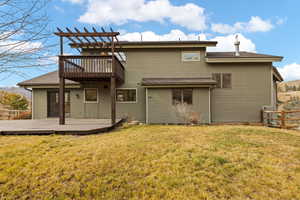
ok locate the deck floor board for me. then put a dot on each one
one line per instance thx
(51, 126)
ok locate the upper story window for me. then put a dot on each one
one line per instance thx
(182, 96)
(223, 80)
(189, 56)
(124, 95)
(91, 95)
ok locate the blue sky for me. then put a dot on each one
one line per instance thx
(264, 26)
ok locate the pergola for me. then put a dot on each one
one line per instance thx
(90, 68)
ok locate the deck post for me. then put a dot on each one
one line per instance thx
(61, 93)
(113, 84)
(113, 99)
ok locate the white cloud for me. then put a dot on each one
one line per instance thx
(281, 21)
(255, 24)
(290, 71)
(173, 35)
(104, 12)
(10, 46)
(59, 9)
(225, 43)
(75, 1)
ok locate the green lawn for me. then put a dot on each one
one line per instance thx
(154, 162)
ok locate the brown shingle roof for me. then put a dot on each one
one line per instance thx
(243, 54)
(50, 78)
(178, 81)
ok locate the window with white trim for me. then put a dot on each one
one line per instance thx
(126, 95)
(90, 95)
(189, 56)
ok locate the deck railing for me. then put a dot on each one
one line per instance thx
(91, 67)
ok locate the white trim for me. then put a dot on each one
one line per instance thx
(147, 107)
(272, 88)
(184, 60)
(209, 105)
(240, 60)
(91, 101)
(32, 105)
(136, 95)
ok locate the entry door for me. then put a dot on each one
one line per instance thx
(53, 105)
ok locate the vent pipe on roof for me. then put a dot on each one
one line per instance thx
(237, 45)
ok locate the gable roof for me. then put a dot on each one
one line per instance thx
(216, 57)
(50, 78)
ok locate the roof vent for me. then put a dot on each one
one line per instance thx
(237, 45)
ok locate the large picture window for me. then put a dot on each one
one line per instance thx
(223, 80)
(181, 96)
(190, 56)
(91, 95)
(126, 95)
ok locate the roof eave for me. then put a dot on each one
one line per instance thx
(243, 59)
(45, 85)
(151, 45)
(277, 75)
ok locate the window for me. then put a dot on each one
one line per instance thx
(126, 95)
(223, 80)
(91, 95)
(190, 56)
(182, 96)
(226, 80)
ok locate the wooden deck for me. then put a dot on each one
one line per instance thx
(51, 126)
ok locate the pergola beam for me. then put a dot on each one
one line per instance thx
(83, 36)
(59, 30)
(97, 34)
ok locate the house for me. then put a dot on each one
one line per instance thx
(148, 81)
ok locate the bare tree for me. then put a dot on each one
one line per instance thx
(24, 38)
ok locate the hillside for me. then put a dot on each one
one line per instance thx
(289, 95)
(154, 162)
(17, 90)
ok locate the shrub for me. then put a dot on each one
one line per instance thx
(184, 111)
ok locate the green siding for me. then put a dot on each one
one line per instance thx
(39, 107)
(251, 89)
(161, 110)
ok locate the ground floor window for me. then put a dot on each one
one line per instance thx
(126, 95)
(182, 96)
(91, 95)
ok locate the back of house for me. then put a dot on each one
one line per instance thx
(166, 82)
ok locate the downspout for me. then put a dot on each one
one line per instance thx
(147, 120)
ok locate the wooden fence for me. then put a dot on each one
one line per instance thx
(282, 119)
(6, 114)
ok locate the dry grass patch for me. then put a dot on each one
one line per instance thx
(154, 162)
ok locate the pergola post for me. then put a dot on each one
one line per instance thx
(61, 100)
(113, 85)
